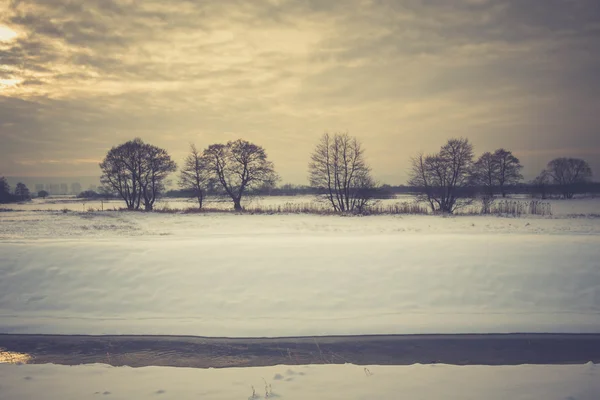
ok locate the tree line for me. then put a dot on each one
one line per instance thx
(136, 171)
(451, 178)
(337, 171)
(21, 192)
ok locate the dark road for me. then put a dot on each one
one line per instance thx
(181, 351)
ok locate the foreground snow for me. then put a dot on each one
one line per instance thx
(343, 382)
(228, 275)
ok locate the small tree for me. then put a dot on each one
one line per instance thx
(43, 194)
(156, 167)
(485, 176)
(121, 170)
(339, 168)
(238, 166)
(194, 175)
(444, 178)
(136, 171)
(22, 192)
(493, 171)
(569, 174)
(509, 169)
(5, 195)
(540, 184)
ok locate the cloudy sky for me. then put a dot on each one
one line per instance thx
(78, 76)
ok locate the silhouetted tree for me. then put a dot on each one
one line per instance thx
(88, 194)
(338, 167)
(22, 192)
(493, 171)
(443, 178)
(485, 173)
(136, 171)
(238, 166)
(509, 169)
(485, 176)
(156, 167)
(43, 194)
(540, 184)
(194, 175)
(569, 174)
(121, 170)
(5, 194)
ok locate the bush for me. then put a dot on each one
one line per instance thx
(88, 194)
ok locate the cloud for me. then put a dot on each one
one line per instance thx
(403, 76)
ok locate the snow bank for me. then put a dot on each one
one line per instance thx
(289, 284)
(343, 382)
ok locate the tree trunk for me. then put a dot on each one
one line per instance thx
(200, 198)
(237, 204)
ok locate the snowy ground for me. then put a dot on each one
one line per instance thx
(559, 207)
(288, 275)
(343, 382)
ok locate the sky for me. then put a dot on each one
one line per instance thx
(80, 76)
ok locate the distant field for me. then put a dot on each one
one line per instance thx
(559, 207)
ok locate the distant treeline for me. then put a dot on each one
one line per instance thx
(389, 191)
(531, 189)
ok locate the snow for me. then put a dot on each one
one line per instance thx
(290, 275)
(343, 382)
(53, 224)
(559, 207)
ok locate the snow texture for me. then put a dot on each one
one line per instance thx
(290, 275)
(335, 382)
(560, 207)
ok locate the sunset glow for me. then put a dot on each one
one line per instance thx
(6, 34)
(402, 76)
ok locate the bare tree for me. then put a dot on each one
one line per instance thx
(485, 172)
(568, 174)
(540, 184)
(445, 177)
(238, 166)
(136, 171)
(338, 167)
(509, 169)
(194, 174)
(121, 169)
(156, 167)
(485, 176)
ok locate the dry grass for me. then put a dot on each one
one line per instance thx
(504, 207)
(518, 208)
(304, 208)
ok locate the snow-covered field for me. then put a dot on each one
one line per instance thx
(287, 275)
(559, 207)
(343, 382)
